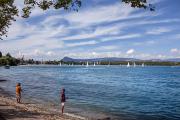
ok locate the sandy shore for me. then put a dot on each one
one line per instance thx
(10, 110)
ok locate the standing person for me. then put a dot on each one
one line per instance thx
(63, 99)
(18, 92)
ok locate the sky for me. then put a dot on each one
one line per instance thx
(101, 28)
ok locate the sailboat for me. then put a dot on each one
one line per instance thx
(134, 64)
(109, 64)
(42, 62)
(60, 64)
(128, 65)
(142, 64)
(94, 64)
(87, 64)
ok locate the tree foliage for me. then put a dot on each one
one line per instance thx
(8, 55)
(8, 60)
(139, 4)
(0, 54)
(9, 11)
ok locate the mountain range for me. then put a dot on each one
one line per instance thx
(115, 59)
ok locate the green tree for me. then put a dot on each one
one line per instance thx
(0, 54)
(8, 11)
(8, 55)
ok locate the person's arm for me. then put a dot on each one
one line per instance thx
(21, 89)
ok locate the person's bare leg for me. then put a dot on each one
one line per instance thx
(62, 109)
(17, 100)
(20, 98)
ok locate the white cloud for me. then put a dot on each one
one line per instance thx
(93, 54)
(175, 51)
(81, 43)
(130, 51)
(38, 52)
(158, 30)
(149, 42)
(160, 56)
(127, 36)
(99, 31)
(106, 48)
(177, 36)
(100, 14)
(147, 22)
(147, 56)
(94, 16)
(50, 53)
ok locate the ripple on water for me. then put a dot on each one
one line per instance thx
(128, 93)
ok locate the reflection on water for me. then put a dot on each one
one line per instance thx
(138, 93)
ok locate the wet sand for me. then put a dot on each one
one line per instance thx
(10, 110)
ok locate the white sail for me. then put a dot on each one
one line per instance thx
(128, 65)
(109, 64)
(42, 61)
(134, 64)
(60, 64)
(142, 64)
(87, 64)
(94, 64)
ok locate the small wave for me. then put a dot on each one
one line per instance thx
(75, 116)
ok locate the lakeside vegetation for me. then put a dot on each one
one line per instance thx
(146, 63)
(12, 61)
(8, 60)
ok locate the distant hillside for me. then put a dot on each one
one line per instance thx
(116, 59)
(106, 59)
(166, 60)
(155, 60)
(173, 60)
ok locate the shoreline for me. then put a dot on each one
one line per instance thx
(9, 109)
(33, 109)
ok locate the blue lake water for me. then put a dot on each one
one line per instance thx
(140, 93)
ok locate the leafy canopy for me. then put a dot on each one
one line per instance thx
(9, 11)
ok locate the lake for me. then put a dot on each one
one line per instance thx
(134, 93)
